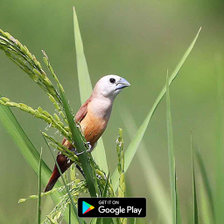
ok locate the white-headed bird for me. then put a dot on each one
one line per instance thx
(93, 117)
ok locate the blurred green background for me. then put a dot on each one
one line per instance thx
(138, 40)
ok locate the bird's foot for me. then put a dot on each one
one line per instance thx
(79, 153)
(88, 146)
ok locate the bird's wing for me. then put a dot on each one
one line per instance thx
(82, 111)
(80, 115)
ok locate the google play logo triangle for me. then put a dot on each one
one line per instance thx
(86, 207)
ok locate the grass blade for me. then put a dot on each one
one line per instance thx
(26, 147)
(155, 188)
(219, 151)
(177, 205)
(106, 186)
(105, 220)
(69, 214)
(206, 185)
(133, 146)
(85, 89)
(172, 166)
(39, 191)
(204, 204)
(85, 86)
(28, 150)
(194, 195)
(77, 138)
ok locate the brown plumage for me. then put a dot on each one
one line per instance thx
(93, 117)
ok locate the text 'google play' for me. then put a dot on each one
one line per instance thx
(112, 207)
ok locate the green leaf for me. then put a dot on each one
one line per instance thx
(205, 182)
(85, 89)
(39, 191)
(204, 204)
(85, 86)
(172, 166)
(219, 149)
(156, 188)
(178, 206)
(103, 220)
(28, 151)
(194, 193)
(133, 146)
(106, 186)
(77, 138)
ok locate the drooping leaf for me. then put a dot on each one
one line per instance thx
(133, 146)
(28, 151)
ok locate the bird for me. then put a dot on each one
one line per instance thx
(93, 117)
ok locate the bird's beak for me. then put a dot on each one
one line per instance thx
(122, 83)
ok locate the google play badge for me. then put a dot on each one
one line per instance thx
(86, 207)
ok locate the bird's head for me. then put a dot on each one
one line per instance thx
(110, 85)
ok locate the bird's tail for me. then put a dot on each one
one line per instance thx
(64, 164)
(54, 177)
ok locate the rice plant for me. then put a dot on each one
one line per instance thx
(98, 181)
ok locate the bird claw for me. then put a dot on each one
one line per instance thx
(79, 153)
(89, 147)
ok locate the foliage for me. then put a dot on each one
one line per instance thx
(97, 179)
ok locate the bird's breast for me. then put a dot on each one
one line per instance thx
(93, 127)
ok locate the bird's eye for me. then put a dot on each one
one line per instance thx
(112, 80)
